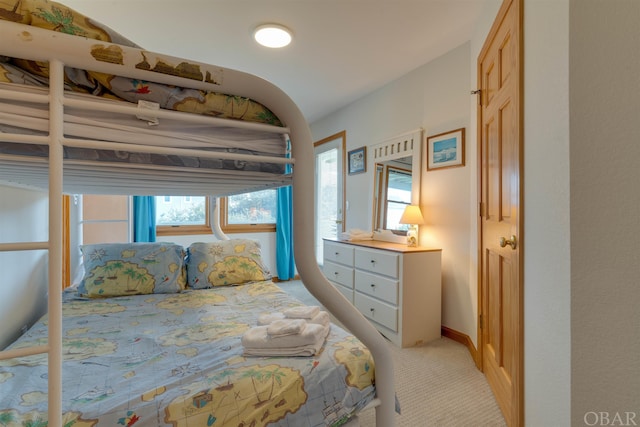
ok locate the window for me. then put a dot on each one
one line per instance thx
(249, 212)
(242, 213)
(393, 194)
(182, 215)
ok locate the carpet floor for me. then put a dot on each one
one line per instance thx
(437, 384)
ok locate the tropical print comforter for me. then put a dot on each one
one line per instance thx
(58, 17)
(176, 359)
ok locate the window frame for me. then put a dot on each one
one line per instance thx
(177, 230)
(241, 228)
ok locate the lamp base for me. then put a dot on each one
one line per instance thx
(412, 236)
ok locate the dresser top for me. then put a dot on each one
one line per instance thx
(378, 244)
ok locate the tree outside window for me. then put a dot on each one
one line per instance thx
(249, 212)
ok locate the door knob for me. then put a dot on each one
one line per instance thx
(513, 242)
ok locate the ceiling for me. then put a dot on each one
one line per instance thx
(342, 49)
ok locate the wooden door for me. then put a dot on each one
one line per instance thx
(500, 151)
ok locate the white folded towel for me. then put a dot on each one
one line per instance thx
(257, 342)
(322, 318)
(265, 319)
(357, 234)
(303, 351)
(283, 327)
(306, 351)
(302, 312)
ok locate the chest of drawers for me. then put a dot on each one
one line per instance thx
(396, 287)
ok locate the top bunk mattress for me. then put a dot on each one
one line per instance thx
(137, 130)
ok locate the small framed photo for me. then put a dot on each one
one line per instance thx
(357, 160)
(445, 150)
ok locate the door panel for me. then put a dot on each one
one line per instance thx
(500, 339)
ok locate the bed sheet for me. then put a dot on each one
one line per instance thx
(25, 118)
(176, 359)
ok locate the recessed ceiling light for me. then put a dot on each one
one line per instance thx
(272, 35)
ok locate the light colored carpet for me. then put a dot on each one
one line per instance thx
(437, 384)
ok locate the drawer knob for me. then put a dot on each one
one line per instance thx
(373, 261)
(373, 285)
(372, 309)
(337, 253)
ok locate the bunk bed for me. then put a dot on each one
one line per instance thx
(70, 124)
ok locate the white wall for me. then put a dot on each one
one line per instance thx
(435, 97)
(604, 96)
(23, 291)
(582, 97)
(546, 237)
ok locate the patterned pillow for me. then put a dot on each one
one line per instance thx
(228, 262)
(117, 269)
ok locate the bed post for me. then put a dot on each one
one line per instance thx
(314, 279)
(55, 242)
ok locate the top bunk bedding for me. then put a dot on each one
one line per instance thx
(133, 125)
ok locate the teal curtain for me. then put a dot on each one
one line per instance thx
(144, 219)
(285, 262)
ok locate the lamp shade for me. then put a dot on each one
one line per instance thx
(412, 215)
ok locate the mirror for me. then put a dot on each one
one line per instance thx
(392, 193)
(396, 180)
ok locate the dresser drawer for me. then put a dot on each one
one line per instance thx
(377, 262)
(347, 292)
(338, 273)
(376, 286)
(384, 314)
(337, 252)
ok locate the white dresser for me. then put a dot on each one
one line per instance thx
(396, 287)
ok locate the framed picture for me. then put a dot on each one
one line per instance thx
(445, 150)
(357, 160)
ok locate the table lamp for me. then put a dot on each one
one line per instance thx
(413, 217)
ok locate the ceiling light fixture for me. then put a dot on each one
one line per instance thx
(272, 35)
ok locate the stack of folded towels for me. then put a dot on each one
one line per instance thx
(296, 331)
(357, 234)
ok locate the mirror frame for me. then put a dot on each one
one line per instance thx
(404, 145)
